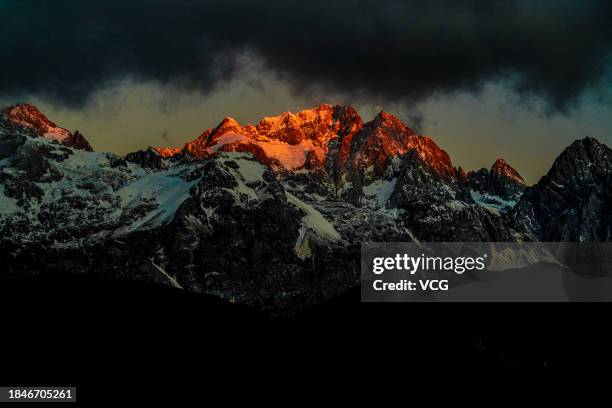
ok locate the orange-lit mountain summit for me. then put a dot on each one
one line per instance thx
(329, 135)
(290, 200)
(331, 139)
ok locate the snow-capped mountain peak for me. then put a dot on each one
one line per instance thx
(333, 136)
(501, 186)
(28, 115)
(307, 188)
(31, 117)
(502, 169)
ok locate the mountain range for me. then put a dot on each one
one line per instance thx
(271, 215)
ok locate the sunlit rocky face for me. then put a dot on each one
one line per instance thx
(474, 129)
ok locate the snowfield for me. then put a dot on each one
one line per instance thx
(314, 220)
(378, 193)
(494, 204)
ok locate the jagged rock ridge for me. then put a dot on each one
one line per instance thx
(342, 154)
(271, 215)
(573, 202)
(498, 189)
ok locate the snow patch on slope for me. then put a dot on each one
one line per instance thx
(290, 156)
(249, 169)
(8, 205)
(228, 138)
(378, 193)
(315, 221)
(247, 175)
(493, 204)
(165, 188)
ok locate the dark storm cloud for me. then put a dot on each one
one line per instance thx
(396, 50)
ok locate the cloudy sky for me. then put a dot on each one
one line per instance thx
(497, 78)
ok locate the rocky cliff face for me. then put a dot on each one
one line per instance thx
(498, 189)
(28, 116)
(435, 211)
(224, 225)
(329, 141)
(502, 180)
(271, 215)
(573, 202)
(505, 181)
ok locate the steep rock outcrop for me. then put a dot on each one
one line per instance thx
(434, 211)
(573, 202)
(28, 116)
